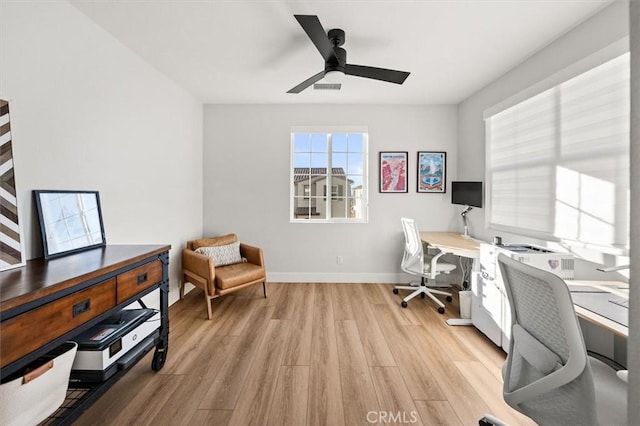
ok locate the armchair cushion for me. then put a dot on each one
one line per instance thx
(222, 255)
(211, 242)
(238, 273)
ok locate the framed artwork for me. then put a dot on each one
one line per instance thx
(393, 171)
(11, 239)
(432, 172)
(70, 221)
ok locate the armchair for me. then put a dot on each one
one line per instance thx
(200, 269)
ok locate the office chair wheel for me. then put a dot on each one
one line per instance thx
(403, 304)
(449, 299)
(422, 295)
(395, 291)
(441, 310)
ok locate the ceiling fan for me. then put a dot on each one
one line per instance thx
(335, 57)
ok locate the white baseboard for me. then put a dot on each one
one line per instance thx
(342, 277)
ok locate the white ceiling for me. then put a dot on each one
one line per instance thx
(246, 51)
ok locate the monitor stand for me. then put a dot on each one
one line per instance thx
(464, 222)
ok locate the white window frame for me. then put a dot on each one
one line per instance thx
(364, 130)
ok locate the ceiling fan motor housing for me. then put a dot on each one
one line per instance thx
(339, 63)
(336, 36)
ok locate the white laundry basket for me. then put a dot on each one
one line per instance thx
(40, 390)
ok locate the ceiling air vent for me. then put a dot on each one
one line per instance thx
(327, 86)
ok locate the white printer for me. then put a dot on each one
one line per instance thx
(561, 264)
(491, 311)
(113, 343)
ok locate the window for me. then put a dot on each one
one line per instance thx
(328, 159)
(558, 162)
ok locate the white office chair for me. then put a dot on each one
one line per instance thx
(548, 375)
(427, 267)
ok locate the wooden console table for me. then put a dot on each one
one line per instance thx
(46, 303)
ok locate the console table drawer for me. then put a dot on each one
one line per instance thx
(27, 332)
(136, 280)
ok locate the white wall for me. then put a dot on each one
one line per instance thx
(603, 29)
(246, 187)
(87, 113)
(634, 292)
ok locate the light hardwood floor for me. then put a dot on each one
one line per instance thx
(312, 354)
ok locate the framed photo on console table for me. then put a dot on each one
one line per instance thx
(393, 171)
(70, 221)
(432, 172)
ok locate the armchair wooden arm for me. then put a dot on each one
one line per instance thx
(252, 254)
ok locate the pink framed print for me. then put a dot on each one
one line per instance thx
(393, 171)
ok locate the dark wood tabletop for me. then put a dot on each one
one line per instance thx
(41, 277)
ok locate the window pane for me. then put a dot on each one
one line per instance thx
(299, 183)
(301, 208)
(354, 161)
(357, 204)
(318, 208)
(302, 160)
(339, 207)
(302, 142)
(319, 160)
(339, 161)
(339, 142)
(355, 182)
(319, 142)
(356, 142)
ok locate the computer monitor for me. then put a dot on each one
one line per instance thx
(466, 193)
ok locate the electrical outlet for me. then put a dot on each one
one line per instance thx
(339, 260)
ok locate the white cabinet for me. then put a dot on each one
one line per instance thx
(485, 307)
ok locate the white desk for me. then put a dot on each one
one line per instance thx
(453, 243)
(616, 288)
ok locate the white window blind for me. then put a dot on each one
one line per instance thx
(558, 162)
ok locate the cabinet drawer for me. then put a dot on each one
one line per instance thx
(136, 280)
(27, 332)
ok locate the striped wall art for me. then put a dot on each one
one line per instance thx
(11, 246)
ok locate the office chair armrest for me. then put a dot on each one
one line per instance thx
(567, 373)
(623, 375)
(433, 270)
(534, 352)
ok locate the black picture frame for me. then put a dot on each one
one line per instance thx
(392, 172)
(70, 221)
(432, 172)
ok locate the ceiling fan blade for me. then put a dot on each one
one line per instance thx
(392, 76)
(312, 26)
(308, 82)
